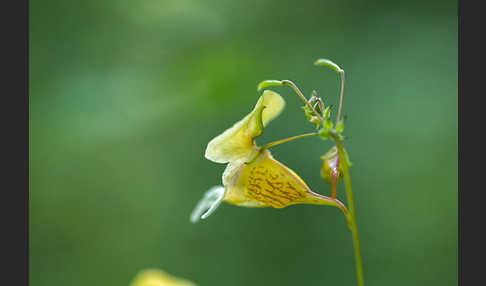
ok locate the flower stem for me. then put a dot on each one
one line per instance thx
(271, 144)
(343, 85)
(354, 227)
(352, 214)
(299, 93)
(334, 184)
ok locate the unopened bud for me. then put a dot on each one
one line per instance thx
(331, 166)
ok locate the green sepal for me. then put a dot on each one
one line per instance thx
(327, 112)
(312, 117)
(328, 124)
(323, 133)
(340, 126)
(314, 101)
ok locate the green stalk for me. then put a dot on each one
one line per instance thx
(299, 93)
(271, 144)
(281, 141)
(352, 214)
(343, 162)
(341, 97)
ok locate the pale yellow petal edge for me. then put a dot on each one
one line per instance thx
(237, 142)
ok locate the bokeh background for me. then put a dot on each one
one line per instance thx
(125, 95)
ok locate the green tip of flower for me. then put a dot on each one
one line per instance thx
(328, 63)
(267, 83)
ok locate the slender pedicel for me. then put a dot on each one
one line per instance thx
(271, 144)
(341, 97)
(267, 83)
(299, 93)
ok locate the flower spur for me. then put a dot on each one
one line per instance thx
(253, 178)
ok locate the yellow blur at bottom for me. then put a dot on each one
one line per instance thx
(157, 277)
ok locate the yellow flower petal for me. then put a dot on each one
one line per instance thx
(157, 277)
(237, 142)
(268, 183)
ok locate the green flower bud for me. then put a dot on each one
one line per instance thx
(323, 133)
(340, 126)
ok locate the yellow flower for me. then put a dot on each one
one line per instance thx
(157, 277)
(253, 178)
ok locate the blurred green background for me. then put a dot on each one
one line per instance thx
(125, 95)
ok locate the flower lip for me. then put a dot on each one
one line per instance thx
(266, 182)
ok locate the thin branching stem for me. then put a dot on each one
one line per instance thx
(271, 144)
(341, 97)
(299, 93)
